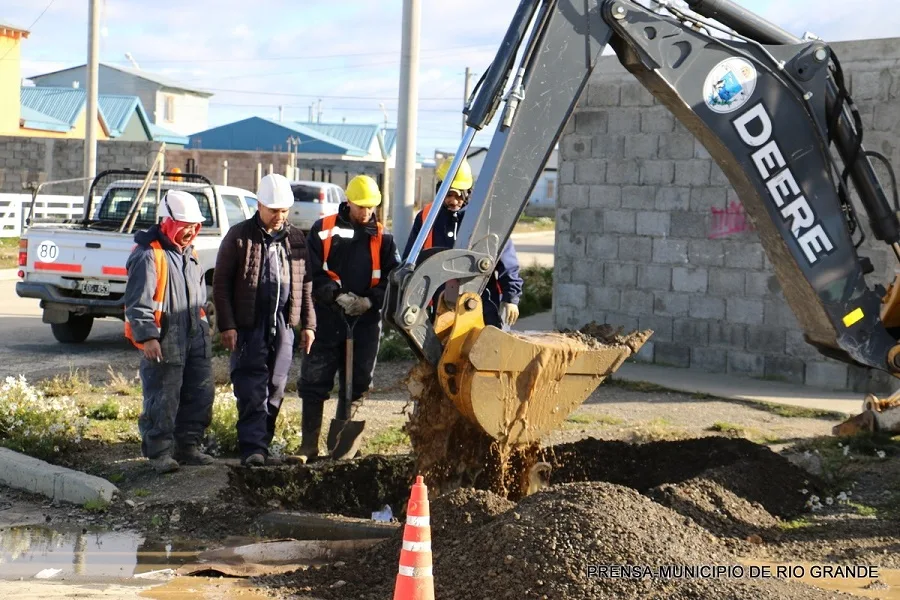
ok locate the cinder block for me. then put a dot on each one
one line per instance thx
(685, 224)
(657, 172)
(603, 246)
(634, 94)
(671, 304)
(563, 220)
(677, 146)
(766, 340)
(619, 221)
(624, 120)
(588, 271)
(661, 327)
(828, 375)
(603, 298)
(797, 347)
(672, 354)
(637, 302)
(668, 251)
(638, 249)
(571, 294)
(620, 275)
(604, 196)
(761, 284)
(639, 197)
(717, 178)
(744, 310)
(740, 255)
(782, 368)
(691, 332)
(887, 117)
(623, 172)
(692, 173)
(642, 145)
(563, 269)
(571, 244)
(588, 220)
(704, 199)
(727, 283)
(575, 146)
(746, 364)
(693, 280)
(779, 314)
(607, 145)
(657, 119)
(727, 335)
(711, 360)
(574, 196)
(566, 172)
(628, 323)
(590, 171)
(707, 307)
(645, 354)
(870, 85)
(653, 277)
(603, 94)
(591, 122)
(652, 223)
(673, 198)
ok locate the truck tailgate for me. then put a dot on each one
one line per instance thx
(79, 254)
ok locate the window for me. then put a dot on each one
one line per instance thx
(251, 203)
(168, 108)
(233, 209)
(308, 193)
(118, 201)
(551, 190)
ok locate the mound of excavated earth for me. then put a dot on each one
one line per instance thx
(559, 543)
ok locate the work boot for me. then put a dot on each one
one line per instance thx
(274, 461)
(164, 464)
(254, 460)
(311, 430)
(192, 456)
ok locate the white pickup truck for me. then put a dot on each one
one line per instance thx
(77, 268)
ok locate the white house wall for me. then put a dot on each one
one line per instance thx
(191, 111)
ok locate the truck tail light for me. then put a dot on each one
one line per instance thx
(23, 252)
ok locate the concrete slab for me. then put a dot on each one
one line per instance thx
(58, 483)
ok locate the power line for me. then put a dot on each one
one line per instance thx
(264, 93)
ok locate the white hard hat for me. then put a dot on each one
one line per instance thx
(181, 206)
(275, 191)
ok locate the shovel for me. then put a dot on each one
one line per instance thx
(344, 434)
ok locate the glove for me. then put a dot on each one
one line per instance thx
(346, 300)
(509, 313)
(359, 306)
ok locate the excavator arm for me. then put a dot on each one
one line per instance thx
(770, 108)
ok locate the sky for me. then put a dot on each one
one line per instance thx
(340, 56)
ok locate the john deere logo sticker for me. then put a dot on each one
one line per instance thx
(729, 85)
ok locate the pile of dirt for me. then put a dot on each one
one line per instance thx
(549, 545)
(599, 335)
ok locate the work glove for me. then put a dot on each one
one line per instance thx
(509, 313)
(346, 300)
(359, 306)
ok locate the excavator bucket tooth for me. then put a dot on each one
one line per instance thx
(519, 386)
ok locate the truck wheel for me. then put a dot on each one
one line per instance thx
(73, 331)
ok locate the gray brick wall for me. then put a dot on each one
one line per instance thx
(636, 238)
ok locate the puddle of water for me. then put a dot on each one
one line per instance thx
(815, 575)
(27, 551)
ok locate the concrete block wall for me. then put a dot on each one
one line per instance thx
(650, 234)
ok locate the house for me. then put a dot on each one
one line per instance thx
(169, 104)
(365, 137)
(10, 77)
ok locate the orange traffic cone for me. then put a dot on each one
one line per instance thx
(415, 580)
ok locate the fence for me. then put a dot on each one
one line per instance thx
(14, 210)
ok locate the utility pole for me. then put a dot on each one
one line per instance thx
(407, 124)
(93, 72)
(466, 91)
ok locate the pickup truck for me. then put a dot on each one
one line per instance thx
(312, 201)
(77, 268)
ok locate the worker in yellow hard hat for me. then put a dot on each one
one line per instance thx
(500, 298)
(350, 257)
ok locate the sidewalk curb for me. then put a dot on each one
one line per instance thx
(57, 483)
(531, 234)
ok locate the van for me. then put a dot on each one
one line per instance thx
(314, 200)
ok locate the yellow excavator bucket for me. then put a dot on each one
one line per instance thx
(515, 386)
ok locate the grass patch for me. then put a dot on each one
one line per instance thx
(221, 436)
(795, 524)
(637, 386)
(387, 441)
(537, 290)
(116, 477)
(729, 428)
(140, 493)
(863, 510)
(75, 382)
(121, 385)
(580, 419)
(527, 223)
(9, 252)
(751, 433)
(795, 412)
(658, 430)
(394, 347)
(96, 505)
(108, 410)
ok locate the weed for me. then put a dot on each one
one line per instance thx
(537, 290)
(863, 510)
(108, 410)
(221, 436)
(394, 347)
(729, 428)
(9, 252)
(96, 505)
(116, 477)
(795, 524)
(580, 419)
(386, 441)
(156, 521)
(66, 385)
(121, 385)
(140, 493)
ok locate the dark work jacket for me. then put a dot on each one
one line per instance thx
(505, 284)
(351, 259)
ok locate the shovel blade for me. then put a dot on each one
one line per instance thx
(344, 438)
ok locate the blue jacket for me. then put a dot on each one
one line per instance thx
(505, 284)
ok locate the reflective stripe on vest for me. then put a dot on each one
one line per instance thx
(159, 293)
(429, 241)
(328, 232)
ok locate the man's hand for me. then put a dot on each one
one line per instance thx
(509, 312)
(359, 306)
(229, 339)
(346, 300)
(307, 337)
(152, 350)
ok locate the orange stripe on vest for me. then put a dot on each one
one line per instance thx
(328, 224)
(429, 241)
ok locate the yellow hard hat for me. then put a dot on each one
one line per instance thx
(463, 179)
(363, 191)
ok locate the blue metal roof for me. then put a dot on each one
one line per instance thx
(260, 134)
(62, 104)
(32, 119)
(160, 134)
(118, 111)
(358, 135)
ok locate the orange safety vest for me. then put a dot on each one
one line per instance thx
(159, 292)
(328, 224)
(429, 241)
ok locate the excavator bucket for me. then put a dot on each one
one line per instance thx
(516, 386)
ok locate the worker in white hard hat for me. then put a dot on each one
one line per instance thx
(262, 291)
(165, 318)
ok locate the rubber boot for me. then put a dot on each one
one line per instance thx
(311, 430)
